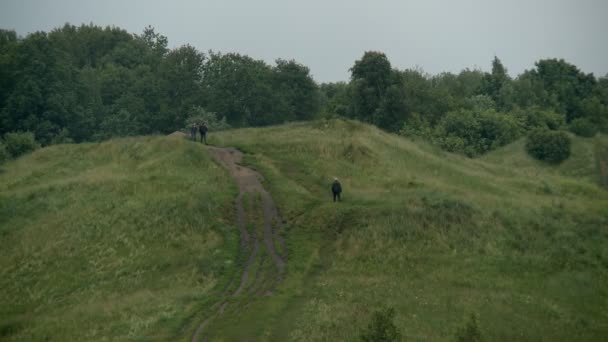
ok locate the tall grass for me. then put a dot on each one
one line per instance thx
(121, 240)
(134, 238)
(436, 236)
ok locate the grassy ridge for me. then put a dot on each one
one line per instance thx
(435, 235)
(121, 240)
(134, 239)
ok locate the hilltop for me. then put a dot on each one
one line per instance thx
(136, 238)
(116, 240)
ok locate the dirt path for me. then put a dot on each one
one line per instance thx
(258, 245)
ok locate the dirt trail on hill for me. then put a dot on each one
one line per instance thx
(258, 244)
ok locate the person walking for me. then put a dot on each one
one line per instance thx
(336, 189)
(193, 130)
(203, 130)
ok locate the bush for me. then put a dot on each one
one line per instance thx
(63, 137)
(452, 143)
(583, 127)
(470, 332)
(533, 118)
(19, 143)
(416, 126)
(4, 155)
(475, 133)
(381, 328)
(496, 130)
(549, 146)
(199, 115)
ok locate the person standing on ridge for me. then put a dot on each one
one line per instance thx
(336, 189)
(203, 130)
(193, 130)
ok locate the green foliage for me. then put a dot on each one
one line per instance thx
(596, 111)
(248, 92)
(549, 146)
(566, 83)
(480, 103)
(583, 127)
(470, 332)
(535, 117)
(370, 77)
(4, 155)
(335, 99)
(392, 110)
(297, 89)
(381, 328)
(474, 133)
(90, 83)
(20, 143)
(119, 124)
(493, 83)
(416, 126)
(63, 137)
(198, 115)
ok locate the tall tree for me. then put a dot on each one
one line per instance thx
(370, 76)
(240, 88)
(181, 74)
(300, 92)
(493, 83)
(566, 83)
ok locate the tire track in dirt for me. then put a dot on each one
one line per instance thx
(249, 184)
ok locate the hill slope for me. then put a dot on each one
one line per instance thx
(127, 238)
(137, 237)
(436, 236)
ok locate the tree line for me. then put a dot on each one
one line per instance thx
(471, 112)
(89, 83)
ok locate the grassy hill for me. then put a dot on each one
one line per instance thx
(436, 236)
(118, 240)
(135, 237)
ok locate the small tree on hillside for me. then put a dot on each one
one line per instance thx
(19, 143)
(549, 146)
(583, 127)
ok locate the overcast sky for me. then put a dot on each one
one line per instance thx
(329, 35)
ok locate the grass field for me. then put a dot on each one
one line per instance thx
(122, 240)
(134, 238)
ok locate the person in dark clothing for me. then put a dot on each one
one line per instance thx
(336, 189)
(203, 130)
(193, 130)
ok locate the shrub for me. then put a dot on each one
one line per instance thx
(469, 332)
(496, 130)
(199, 114)
(475, 133)
(4, 155)
(533, 118)
(63, 137)
(549, 146)
(452, 143)
(416, 126)
(381, 328)
(19, 143)
(480, 103)
(583, 127)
